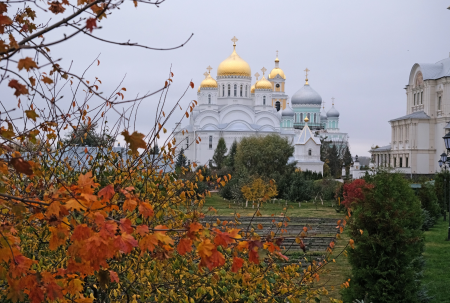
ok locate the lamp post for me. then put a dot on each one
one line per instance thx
(446, 163)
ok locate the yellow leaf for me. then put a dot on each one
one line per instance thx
(31, 114)
(135, 140)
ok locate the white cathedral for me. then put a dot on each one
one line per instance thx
(232, 108)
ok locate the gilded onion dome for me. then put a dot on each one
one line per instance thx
(277, 70)
(234, 66)
(252, 89)
(263, 84)
(208, 82)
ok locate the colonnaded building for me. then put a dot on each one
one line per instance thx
(231, 107)
(416, 138)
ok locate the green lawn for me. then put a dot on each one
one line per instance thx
(277, 207)
(437, 268)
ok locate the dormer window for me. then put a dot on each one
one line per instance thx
(309, 152)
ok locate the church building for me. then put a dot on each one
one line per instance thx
(416, 138)
(230, 106)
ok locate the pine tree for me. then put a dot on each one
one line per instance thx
(219, 154)
(181, 159)
(334, 162)
(347, 160)
(85, 135)
(386, 226)
(231, 155)
(154, 150)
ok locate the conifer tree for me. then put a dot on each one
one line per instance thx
(181, 159)
(347, 159)
(231, 155)
(219, 154)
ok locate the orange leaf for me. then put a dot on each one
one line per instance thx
(27, 64)
(47, 80)
(237, 264)
(113, 276)
(142, 229)
(129, 204)
(134, 140)
(195, 226)
(20, 88)
(260, 226)
(21, 166)
(107, 192)
(31, 114)
(145, 209)
(184, 246)
(125, 226)
(191, 84)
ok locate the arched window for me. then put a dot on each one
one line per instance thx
(309, 116)
(414, 99)
(421, 97)
(439, 103)
(264, 100)
(209, 99)
(277, 105)
(301, 117)
(315, 117)
(210, 142)
(229, 90)
(240, 94)
(309, 152)
(246, 91)
(235, 90)
(223, 90)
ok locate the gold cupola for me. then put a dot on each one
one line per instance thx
(234, 65)
(252, 89)
(263, 83)
(209, 81)
(277, 70)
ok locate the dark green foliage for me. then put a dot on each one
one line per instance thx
(441, 185)
(86, 135)
(263, 156)
(428, 220)
(347, 160)
(154, 150)
(181, 159)
(229, 162)
(299, 188)
(219, 154)
(383, 261)
(428, 199)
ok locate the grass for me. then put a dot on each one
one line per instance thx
(437, 268)
(307, 209)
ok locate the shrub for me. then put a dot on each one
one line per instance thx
(428, 198)
(386, 227)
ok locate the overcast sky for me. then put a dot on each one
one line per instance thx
(360, 52)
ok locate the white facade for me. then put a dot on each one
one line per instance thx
(307, 151)
(416, 138)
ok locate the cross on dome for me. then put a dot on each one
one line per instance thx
(263, 70)
(256, 76)
(205, 74)
(209, 68)
(234, 40)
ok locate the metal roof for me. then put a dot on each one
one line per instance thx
(416, 115)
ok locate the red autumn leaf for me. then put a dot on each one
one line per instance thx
(27, 64)
(125, 226)
(191, 84)
(354, 192)
(3, 8)
(129, 204)
(142, 229)
(21, 166)
(302, 246)
(20, 88)
(149, 242)
(253, 247)
(56, 7)
(91, 23)
(135, 140)
(5, 20)
(222, 238)
(126, 242)
(195, 227)
(145, 209)
(107, 192)
(47, 80)
(113, 276)
(237, 264)
(184, 246)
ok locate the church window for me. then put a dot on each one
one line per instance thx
(264, 100)
(309, 116)
(209, 99)
(187, 142)
(421, 97)
(278, 85)
(235, 90)
(401, 162)
(439, 103)
(223, 90)
(246, 91)
(406, 162)
(315, 117)
(210, 142)
(241, 91)
(229, 90)
(301, 117)
(395, 162)
(414, 99)
(277, 105)
(309, 152)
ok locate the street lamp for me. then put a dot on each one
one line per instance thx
(446, 163)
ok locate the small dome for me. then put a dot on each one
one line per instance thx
(234, 66)
(333, 113)
(252, 89)
(263, 84)
(306, 95)
(287, 111)
(208, 82)
(277, 71)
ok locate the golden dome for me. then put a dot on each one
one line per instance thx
(208, 82)
(306, 119)
(263, 84)
(198, 90)
(252, 89)
(277, 71)
(234, 66)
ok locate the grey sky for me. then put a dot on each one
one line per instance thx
(360, 52)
